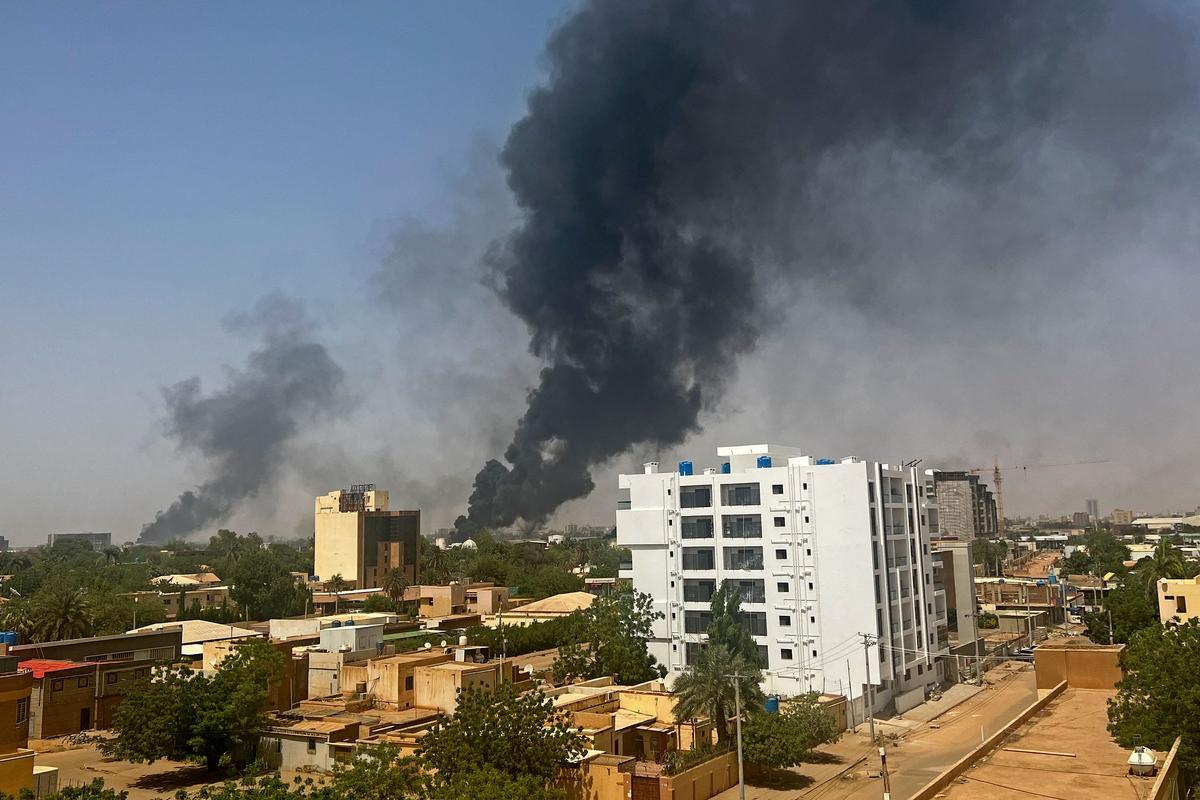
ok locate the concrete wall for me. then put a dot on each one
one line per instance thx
(16, 771)
(14, 687)
(701, 781)
(1096, 667)
(1178, 599)
(1167, 786)
(336, 542)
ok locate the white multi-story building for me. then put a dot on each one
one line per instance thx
(823, 551)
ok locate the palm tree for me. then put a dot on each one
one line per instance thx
(436, 565)
(14, 616)
(59, 613)
(1165, 562)
(337, 584)
(394, 583)
(706, 687)
(112, 555)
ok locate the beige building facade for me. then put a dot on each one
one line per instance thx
(359, 538)
(1178, 600)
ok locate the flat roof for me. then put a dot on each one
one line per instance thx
(40, 666)
(1078, 758)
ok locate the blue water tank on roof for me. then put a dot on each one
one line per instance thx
(772, 704)
(337, 623)
(824, 462)
(725, 468)
(764, 462)
(685, 468)
(349, 623)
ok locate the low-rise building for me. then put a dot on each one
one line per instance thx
(163, 645)
(16, 759)
(194, 633)
(68, 697)
(1178, 599)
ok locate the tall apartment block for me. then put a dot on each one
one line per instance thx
(1093, 509)
(98, 541)
(359, 538)
(823, 552)
(966, 508)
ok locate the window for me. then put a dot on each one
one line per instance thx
(808, 551)
(871, 491)
(697, 527)
(782, 587)
(756, 622)
(742, 526)
(698, 558)
(806, 519)
(810, 586)
(740, 494)
(785, 621)
(692, 650)
(752, 591)
(56, 686)
(777, 488)
(82, 683)
(312, 745)
(804, 486)
(110, 678)
(780, 522)
(764, 659)
(785, 653)
(139, 673)
(1180, 605)
(696, 621)
(698, 590)
(695, 497)
(814, 652)
(743, 558)
(813, 620)
(781, 554)
(22, 710)
(408, 683)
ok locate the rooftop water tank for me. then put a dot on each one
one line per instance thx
(725, 468)
(772, 704)
(348, 623)
(337, 623)
(685, 468)
(825, 461)
(764, 462)
(1143, 761)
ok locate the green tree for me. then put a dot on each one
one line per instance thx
(263, 587)
(517, 734)
(337, 584)
(1165, 562)
(182, 715)
(547, 580)
(1158, 698)
(728, 625)
(706, 687)
(60, 612)
(434, 566)
(610, 639)
(1130, 611)
(393, 584)
(777, 741)
(379, 603)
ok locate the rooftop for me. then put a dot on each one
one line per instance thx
(198, 631)
(40, 666)
(558, 604)
(1074, 758)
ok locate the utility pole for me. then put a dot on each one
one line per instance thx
(737, 704)
(887, 781)
(850, 696)
(1111, 638)
(868, 699)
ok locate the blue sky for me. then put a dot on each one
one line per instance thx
(165, 163)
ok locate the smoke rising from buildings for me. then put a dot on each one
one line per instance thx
(242, 430)
(690, 167)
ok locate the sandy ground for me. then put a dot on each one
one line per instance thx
(82, 765)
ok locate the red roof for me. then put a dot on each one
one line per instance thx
(40, 666)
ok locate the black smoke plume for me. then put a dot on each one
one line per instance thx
(243, 429)
(679, 165)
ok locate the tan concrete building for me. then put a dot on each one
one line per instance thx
(1178, 600)
(16, 759)
(359, 538)
(1121, 516)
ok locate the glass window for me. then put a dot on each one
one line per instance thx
(743, 558)
(764, 658)
(742, 526)
(740, 494)
(777, 488)
(692, 650)
(22, 710)
(697, 527)
(783, 554)
(785, 653)
(756, 623)
(110, 678)
(696, 621)
(782, 587)
(785, 621)
(752, 591)
(695, 497)
(780, 522)
(698, 590)
(698, 558)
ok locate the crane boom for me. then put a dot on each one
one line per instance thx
(998, 480)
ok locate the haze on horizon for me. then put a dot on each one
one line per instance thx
(167, 167)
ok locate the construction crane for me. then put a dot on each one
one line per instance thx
(998, 479)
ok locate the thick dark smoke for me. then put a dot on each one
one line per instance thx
(684, 161)
(243, 429)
